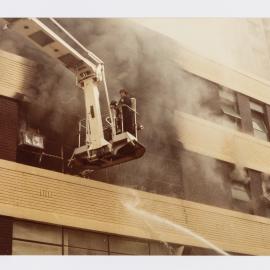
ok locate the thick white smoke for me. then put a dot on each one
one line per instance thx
(137, 59)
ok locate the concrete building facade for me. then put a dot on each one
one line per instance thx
(205, 168)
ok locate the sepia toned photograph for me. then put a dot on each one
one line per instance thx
(135, 136)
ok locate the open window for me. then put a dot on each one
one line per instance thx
(229, 108)
(29, 137)
(240, 189)
(266, 188)
(32, 138)
(258, 120)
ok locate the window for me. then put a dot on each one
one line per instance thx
(266, 188)
(83, 251)
(228, 106)
(258, 120)
(240, 192)
(20, 247)
(79, 242)
(128, 246)
(240, 189)
(31, 238)
(30, 231)
(241, 197)
(160, 248)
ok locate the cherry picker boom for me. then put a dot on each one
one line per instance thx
(96, 149)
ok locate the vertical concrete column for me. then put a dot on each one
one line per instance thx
(6, 227)
(245, 113)
(256, 193)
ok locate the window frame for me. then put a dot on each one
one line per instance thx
(229, 107)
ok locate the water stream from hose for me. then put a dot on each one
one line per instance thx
(153, 218)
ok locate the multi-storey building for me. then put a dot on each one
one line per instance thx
(206, 111)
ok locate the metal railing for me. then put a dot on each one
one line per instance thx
(83, 129)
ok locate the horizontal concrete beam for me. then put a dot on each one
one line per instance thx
(239, 81)
(217, 141)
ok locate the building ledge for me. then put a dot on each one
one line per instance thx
(45, 196)
(223, 143)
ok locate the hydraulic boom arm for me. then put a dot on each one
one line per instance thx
(97, 152)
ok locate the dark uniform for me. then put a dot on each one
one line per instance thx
(118, 123)
(127, 114)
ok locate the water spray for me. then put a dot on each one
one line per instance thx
(157, 219)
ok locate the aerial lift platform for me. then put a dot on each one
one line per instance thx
(96, 149)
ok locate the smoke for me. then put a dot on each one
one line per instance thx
(240, 174)
(205, 179)
(203, 167)
(53, 94)
(141, 61)
(137, 59)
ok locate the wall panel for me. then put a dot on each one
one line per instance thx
(45, 196)
(210, 139)
(17, 74)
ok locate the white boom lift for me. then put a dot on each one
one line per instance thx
(94, 151)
